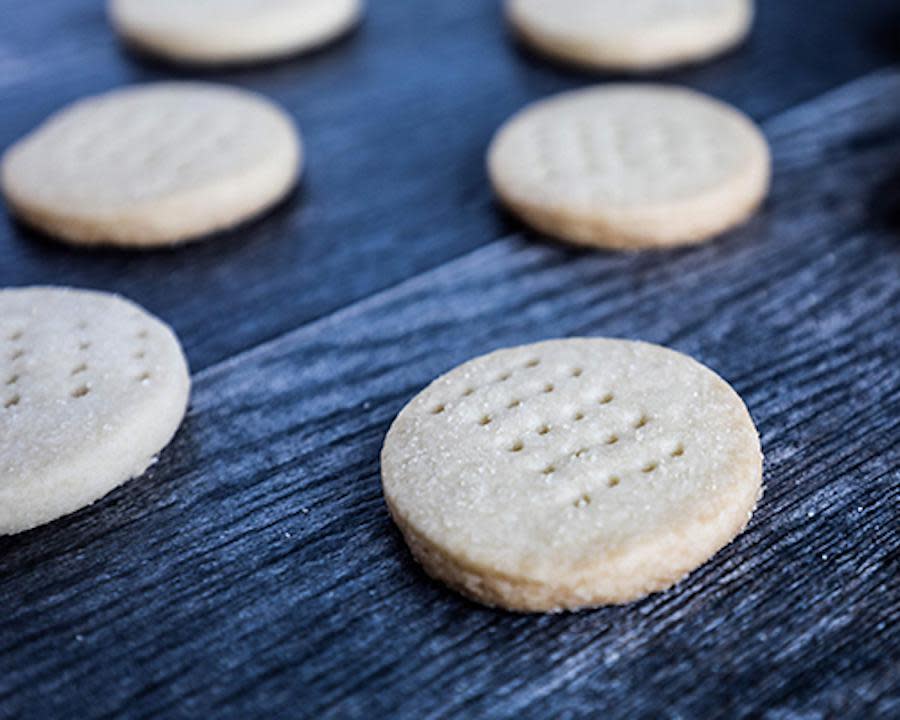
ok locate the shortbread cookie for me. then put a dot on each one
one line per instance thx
(231, 31)
(630, 166)
(153, 165)
(91, 389)
(571, 473)
(631, 34)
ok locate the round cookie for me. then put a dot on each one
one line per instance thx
(91, 389)
(636, 35)
(630, 166)
(571, 473)
(152, 165)
(231, 31)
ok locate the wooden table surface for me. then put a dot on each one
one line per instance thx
(254, 572)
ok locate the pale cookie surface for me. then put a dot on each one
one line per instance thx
(153, 165)
(571, 473)
(631, 34)
(91, 389)
(630, 166)
(229, 31)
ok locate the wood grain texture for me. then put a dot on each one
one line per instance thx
(254, 572)
(397, 119)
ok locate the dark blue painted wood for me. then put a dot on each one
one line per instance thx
(396, 118)
(254, 572)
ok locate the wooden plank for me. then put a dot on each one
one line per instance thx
(396, 120)
(254, 571)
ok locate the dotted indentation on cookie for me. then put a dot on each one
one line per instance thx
(15, 353)
(561, 426)
(620, 145)
(80, 373)
(144, 376)
(149, 141)
(503, 377)
(173, 139)
(15, 375)
(616, 146)
(521, 400)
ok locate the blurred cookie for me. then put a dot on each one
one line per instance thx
(630, 166)
(91, 389)
(571, 473)
(153, 165)
(231, 31)
(631, 34)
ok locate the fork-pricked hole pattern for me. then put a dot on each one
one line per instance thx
(83, 344)
(573, 373)
(521, 372)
